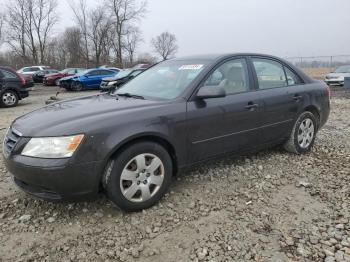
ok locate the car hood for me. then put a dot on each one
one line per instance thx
(337, 74)
(109, 79)
(78, 115)
(54, 75)
(68, 77)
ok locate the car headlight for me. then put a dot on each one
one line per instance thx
(52, 147)
(112, 83)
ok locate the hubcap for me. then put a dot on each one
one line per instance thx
(9, 99)
(142, 177)
(306, 133)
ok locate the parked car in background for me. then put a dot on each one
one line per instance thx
(89, 79)
(29, 80)
(38, 76)
(337, 77)
(111, 83)
(30, 70)
(13, 87)
(178, 113)
(110, 68)
(53, 79)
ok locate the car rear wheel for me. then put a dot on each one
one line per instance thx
(139, 176)
(9, 98)
(303, 134)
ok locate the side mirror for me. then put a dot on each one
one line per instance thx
(211, 92)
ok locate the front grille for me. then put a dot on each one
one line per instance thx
(11, 138)
(331, 77)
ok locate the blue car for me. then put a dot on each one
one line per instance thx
(89, 79)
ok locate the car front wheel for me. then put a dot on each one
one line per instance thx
(77, 86)
(303, 134)
(9, 98)
(139, 176)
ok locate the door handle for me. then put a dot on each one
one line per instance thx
(297, 97)
(251, 106)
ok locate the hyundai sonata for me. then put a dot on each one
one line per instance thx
(131, 142)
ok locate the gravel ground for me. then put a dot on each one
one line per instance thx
(269, 206)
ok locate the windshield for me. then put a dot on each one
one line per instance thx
(343, 69)
(166, 80)
(84, 72)
(124, 73)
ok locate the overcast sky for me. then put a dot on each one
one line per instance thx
(279, 27)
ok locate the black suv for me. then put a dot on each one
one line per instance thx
(13, 87)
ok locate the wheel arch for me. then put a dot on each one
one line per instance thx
(13, 90)
(152, 137)
(315, 111)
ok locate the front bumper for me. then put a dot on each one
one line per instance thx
(55, 179)
(49, 82)
(334, 81)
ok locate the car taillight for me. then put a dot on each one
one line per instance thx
(23, 81)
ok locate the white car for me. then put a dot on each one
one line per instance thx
(30, 70)
(337, 77)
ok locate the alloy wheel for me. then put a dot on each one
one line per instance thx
(306, 133)
(142, 177)
(9, 98)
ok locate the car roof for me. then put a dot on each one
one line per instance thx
(213, 57)
(7, 68)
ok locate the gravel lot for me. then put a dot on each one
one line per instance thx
(269, 206)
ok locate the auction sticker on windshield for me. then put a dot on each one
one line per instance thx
(190, 67)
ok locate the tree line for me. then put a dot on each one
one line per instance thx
(108, 33)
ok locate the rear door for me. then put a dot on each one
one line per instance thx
(281, 91)
(227, 124)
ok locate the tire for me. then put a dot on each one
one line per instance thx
(9, 98)
(126, 180)
(301, 140)
(77, 86)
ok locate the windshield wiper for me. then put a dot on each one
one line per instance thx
(130, 95)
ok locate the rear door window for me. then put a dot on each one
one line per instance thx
(8, 75)
(270, 73)
(292, 78)
(105, 72)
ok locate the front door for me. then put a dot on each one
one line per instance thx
(227, 124)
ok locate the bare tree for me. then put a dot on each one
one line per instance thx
(30, 24)
(81, 11)
(99, 26)
(165, 45)
(2, 20)
(125, 13)
(73, 46)
(131, 42)
(16, 29)
(44, 17)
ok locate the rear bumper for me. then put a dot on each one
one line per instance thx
(55, 180)
(23, 93)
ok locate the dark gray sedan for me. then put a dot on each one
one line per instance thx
(180, 112)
